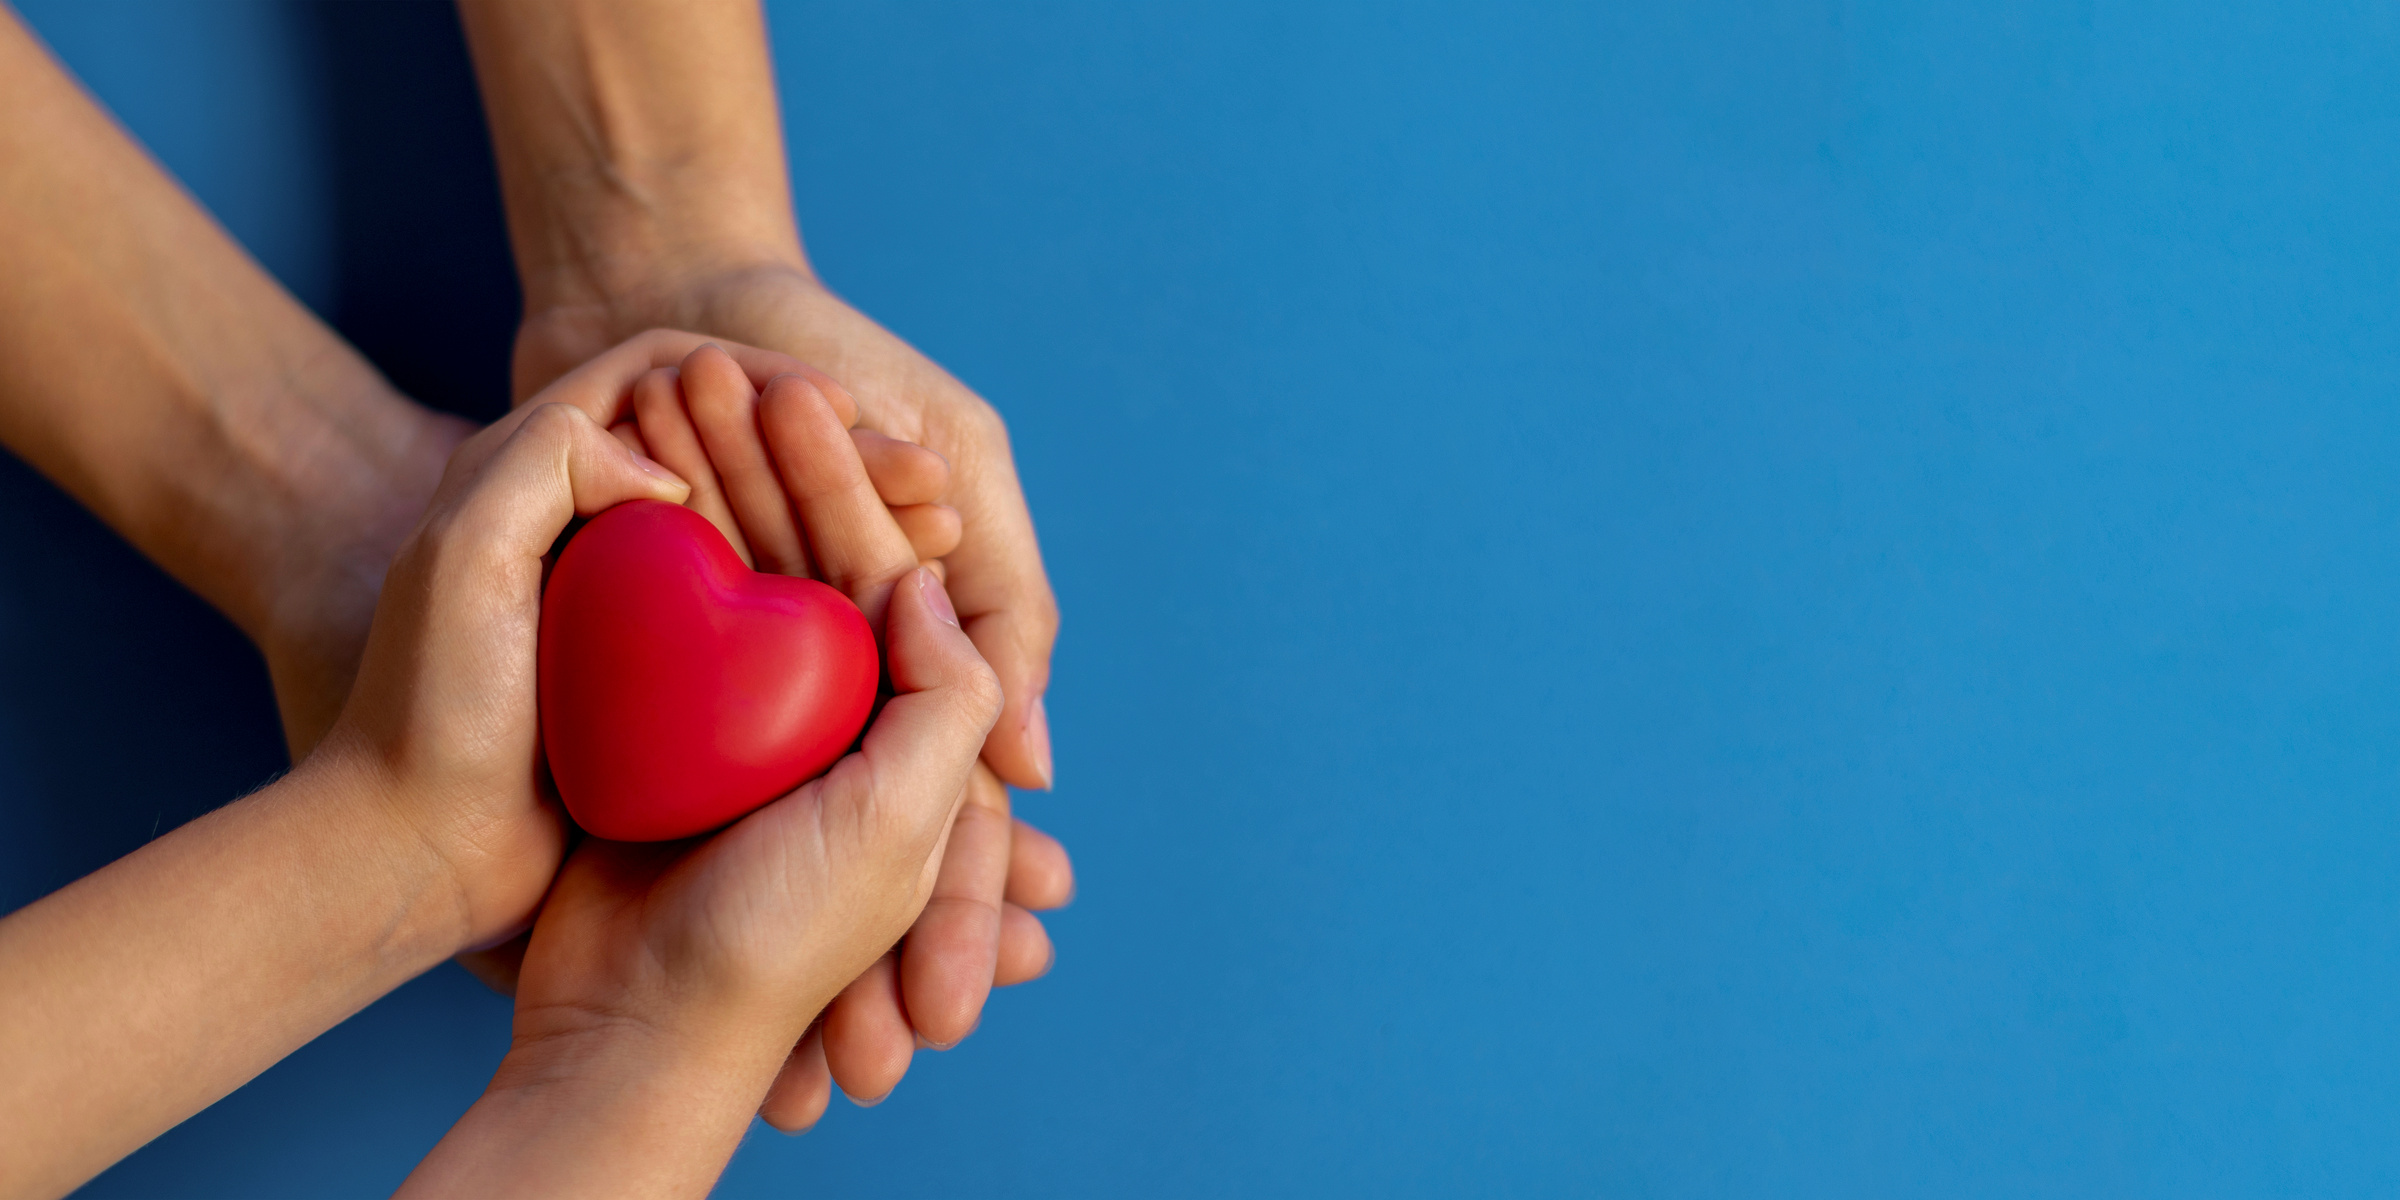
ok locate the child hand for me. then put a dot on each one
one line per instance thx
(442, 719)
(761, 466)
(664, 984)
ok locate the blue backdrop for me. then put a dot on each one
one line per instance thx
(1664, 599)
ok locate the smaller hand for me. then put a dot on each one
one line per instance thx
(764, 464)
(443, 714)
(758, 928)
(980, 932)
(700, 419)
(664, 985)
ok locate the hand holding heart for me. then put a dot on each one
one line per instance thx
(691, 965)
(687, 970)
(690, 968)
(768, 466)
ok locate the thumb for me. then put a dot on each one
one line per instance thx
(911, 768)
(541, 467)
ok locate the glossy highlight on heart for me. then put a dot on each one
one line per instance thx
(680, 689)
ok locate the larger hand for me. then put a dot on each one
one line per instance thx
(978, 931)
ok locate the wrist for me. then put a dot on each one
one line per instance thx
(726, 294)
(600, 1106)
(597, 246)
(396, 882)
(350, 495)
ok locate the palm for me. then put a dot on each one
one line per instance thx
(764, 909)
(977, 931)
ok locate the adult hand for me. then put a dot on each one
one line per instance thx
(773, 470)
(642, 161)
(666, 982)
(994, 574)
(665, 985)
(980, 931)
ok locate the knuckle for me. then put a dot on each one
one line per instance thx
(979, 694)
(555, 420)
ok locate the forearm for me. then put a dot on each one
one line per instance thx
(142, 993)
(150, 368)
(615, 1108)
(636, 138)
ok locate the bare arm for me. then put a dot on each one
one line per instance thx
(143, 993)
(150, 368)
(642, 160)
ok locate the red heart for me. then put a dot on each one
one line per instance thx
(681, 689)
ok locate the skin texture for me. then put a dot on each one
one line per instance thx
(149, 368)
(642, 161)
(141, 993)
(665, 985)
(154, 372)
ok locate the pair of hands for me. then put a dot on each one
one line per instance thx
(746, 935)
(868, 505)
(978, 929)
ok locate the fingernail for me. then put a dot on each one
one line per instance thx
(866, 1103)
(1037, 734)
(651, 468)
(936, 598)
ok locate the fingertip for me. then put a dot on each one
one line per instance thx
(936, 597)
(837, 397)
(867, 1039)
(651, 467)
(1026, 951)
(932, 530)
(1018, 747)
(791, 387)
(1041, 875)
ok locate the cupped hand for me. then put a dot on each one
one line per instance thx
(995, 573)
(665, 983)
(772, 467)
(979, 930)
(442, 718)
(751, 932)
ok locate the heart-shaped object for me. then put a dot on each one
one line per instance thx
(680, 689)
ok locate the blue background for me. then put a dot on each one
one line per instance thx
(1669, 599)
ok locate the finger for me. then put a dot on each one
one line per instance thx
(658, 408)
(601, 386)
(631, 434)
(1025, 950)
(724, 408)
(946, 966)
(932, 530)
(853, 540)
(1017, 643)
(802, 1089)
(512, 489)
(940, 569)
(867, 1039)
(904, 472)
(997, 581)
(1040, 876)
(895, 797)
